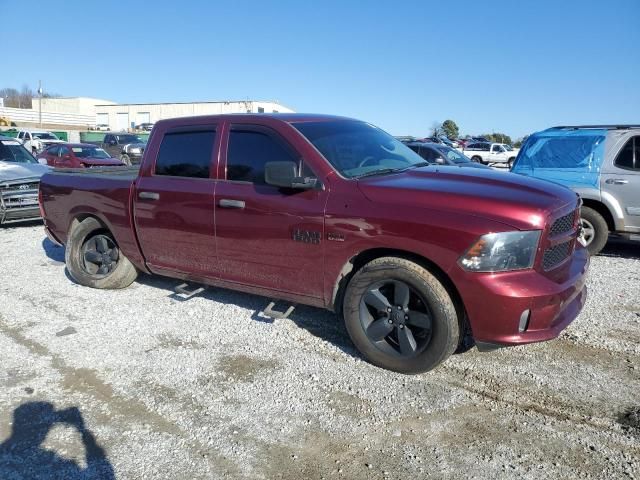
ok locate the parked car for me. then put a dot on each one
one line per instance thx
(76, 155)
(489, 153)
(147, 127)
(126, 147)
(436, 153)
(335, 213)
(37, 140)
(103, 127)
(19, 181)
(601, 164)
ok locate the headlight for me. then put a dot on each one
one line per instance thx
(499, 252)
(134, 150)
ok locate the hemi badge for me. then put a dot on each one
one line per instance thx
(336, 237)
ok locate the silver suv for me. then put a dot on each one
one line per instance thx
(599, 162)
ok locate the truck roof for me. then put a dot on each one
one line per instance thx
(285, 117)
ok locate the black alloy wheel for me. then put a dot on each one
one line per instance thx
(395, 318)
(100, 255)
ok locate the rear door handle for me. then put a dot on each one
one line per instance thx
(228, 203)
(149, 195)
(616, 181)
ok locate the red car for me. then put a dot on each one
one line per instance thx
(76, 155)
(419, 259)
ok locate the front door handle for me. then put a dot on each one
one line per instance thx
(149, 196)
(228, 203)
(616, 181)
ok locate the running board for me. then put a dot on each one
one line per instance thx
(183, 289)
(270, 312)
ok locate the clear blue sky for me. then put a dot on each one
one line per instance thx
(510, 66)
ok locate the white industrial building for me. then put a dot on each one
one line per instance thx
(87, 111)
(125, 116)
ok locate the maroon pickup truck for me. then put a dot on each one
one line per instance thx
(420, 260)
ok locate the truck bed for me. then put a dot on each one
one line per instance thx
(103, 192)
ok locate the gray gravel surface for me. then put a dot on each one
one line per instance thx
(138, 383)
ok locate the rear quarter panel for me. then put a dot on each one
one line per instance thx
(69, 197)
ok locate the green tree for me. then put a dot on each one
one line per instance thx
(498, 137)
(450, 129)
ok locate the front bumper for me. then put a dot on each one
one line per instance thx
(500, 305)
(19, 214)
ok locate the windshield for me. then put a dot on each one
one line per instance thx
(122, 139)
(45, 136)
(89, 152)
(453, 155)
(578, 150)
(12, 151)
(356, 148)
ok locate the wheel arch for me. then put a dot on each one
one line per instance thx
(359, 260)
(603, 210)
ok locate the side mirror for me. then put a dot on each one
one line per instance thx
(285, 175)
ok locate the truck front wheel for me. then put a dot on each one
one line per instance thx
(94, 259)
(594, 231)
(476, 159)
(400, 317)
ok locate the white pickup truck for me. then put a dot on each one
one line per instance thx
(490, 153)
(37, 140)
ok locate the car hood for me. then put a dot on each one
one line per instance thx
(15, 171)
(514, 200)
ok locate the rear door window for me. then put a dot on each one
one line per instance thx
(629, 156)
(186, 154)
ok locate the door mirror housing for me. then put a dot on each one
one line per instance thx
(285, 175)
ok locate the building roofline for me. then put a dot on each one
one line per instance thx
(189, 103)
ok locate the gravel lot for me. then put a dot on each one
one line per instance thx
(140, 384)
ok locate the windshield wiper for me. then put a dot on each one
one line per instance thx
(418, 165)
(382, 171)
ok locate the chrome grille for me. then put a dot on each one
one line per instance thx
(556, 255)
(563, 224)
(19, 195)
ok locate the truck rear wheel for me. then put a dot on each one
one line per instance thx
(400, 317)
(594, 230)
(94, 259)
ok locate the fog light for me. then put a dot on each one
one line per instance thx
(524, 321)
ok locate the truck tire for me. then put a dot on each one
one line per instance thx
(124, 158)
(595, 231)
(477, 159)
(93, 258)
(400, 317)
(510, 162)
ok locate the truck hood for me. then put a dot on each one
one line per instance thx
(14, 171)
(514, 200)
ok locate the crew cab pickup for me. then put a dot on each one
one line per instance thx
(490, 153)
(420, 260)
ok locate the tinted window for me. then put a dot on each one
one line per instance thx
(428, 154)
(186, 154)
(629, 156)
(64, 151)
(53, 150)
(122, 139)
(249, 151)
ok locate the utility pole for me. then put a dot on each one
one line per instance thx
(40, 101)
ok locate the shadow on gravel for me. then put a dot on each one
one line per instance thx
(53, 251)
(621, 248)
(23, 456)
(630, 419)
(320, 323)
